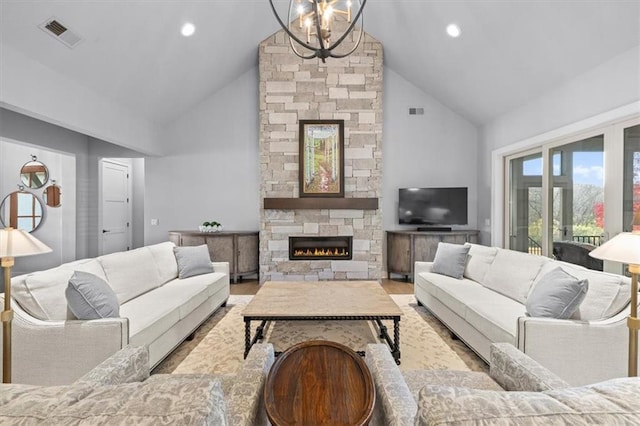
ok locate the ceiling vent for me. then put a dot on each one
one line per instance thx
(416, 111)
(60, 32)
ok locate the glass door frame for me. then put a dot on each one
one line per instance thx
(509, 189)
(613, 134)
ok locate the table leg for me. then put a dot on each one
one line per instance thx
(396, 340)
(247, 336)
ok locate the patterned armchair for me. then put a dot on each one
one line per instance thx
(120, 391)
(517, 388)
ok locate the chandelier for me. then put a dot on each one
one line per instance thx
(320, 26)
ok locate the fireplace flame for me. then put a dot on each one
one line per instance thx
(320, 252)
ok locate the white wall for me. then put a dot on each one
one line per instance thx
(58, 226)
(86, 151)
(210, 167)
(210, 170)
(611, 85)
(28, 87)
(437, 149)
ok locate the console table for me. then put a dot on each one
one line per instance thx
(404, 248)
(239, 248)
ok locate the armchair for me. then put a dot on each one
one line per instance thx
(517, 387)
(120, 391)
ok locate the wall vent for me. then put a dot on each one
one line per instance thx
(416, 111)
(60, 32)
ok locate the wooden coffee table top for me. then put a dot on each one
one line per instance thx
(319, 383)
(321, 298)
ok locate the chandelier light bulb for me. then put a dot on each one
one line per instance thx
(188, 29)
(328, 11)
(300, 10)
(453, 30)
(349, 3)
(307, 23)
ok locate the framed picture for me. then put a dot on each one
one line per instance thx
(321, 158)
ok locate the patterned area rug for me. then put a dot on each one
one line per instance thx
(218, 345)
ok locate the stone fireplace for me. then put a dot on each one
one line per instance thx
(320, 248)
(293, 89)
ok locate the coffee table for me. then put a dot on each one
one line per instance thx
(323, 300)
(319, 383)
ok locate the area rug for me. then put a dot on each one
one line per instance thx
(218, 345)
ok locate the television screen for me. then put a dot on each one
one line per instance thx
(432, 206)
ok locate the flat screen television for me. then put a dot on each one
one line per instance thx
(432, 206)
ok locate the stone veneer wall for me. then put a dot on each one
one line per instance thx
(293, 89)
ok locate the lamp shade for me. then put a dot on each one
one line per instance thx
(623, 248)
(18, 243)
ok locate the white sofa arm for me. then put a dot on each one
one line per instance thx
(420, 267)
(601, 347)
(59, 352)
(221, 267)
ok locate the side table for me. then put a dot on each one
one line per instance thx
(319, 383)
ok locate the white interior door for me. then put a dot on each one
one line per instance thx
(115, 232)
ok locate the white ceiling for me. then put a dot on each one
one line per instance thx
(509, 51)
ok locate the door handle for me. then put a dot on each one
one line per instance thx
(105, 231)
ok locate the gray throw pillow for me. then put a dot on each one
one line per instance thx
(557, 295)
(450, 259)
(90, 297)
(193, 261)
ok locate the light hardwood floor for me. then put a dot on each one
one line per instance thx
(250, 287)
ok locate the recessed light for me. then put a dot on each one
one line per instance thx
(188, 29)
(453, 30)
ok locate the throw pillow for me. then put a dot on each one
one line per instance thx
(557, 295)
(450, 259)
(193, 261)
(90, 297)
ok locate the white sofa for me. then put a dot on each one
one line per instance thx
(157, 310)
(488, 306)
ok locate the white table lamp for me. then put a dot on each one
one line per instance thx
(13, 243)
(625, 248)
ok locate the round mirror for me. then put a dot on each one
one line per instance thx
(34, 174)
(51, 195)
(21, 210)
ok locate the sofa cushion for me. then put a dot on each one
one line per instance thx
(131, 273)
(456, 294)
(512, 273)
(42, 294)
(165, 260)
(497, 320)
(193, 261)
(213, 282)
(478, 262)
(153, 313)
(557, 295)
(450, 259)
(605, 403)
(188, 400)
(150, 316)
(608, 293)
(417, 379)
(90, 297)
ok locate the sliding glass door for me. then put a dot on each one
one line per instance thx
(525, 203)
(631, 185)
(577, 206)
(569, 195)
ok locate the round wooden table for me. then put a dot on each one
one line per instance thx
(319, 383)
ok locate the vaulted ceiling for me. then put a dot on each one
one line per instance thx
(509, 52)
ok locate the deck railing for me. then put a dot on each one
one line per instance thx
(595, 240)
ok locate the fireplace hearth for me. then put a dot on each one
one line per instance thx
(320, 248)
